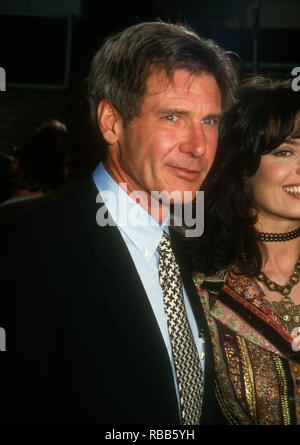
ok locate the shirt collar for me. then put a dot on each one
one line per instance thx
(138, 225)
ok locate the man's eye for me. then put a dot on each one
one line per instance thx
(210, 121)
(171, 118)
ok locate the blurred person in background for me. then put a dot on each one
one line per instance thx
(39, 169)
(41, 162)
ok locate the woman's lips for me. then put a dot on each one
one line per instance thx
(190, 175)
(293, 190)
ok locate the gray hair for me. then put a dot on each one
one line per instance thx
(121, 67)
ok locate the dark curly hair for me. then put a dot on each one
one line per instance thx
(263, 118)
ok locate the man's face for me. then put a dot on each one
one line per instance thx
(171, 144)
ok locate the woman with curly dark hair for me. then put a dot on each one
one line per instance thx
(248, 259)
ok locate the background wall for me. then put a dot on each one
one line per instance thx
(62, 36)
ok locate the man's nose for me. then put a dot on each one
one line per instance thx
(195, 142)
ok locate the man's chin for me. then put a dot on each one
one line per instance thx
(174, 197)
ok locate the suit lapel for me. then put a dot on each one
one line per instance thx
(130, 311)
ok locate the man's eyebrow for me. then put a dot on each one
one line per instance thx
(214, 115)
(170, 111)
(173, 110)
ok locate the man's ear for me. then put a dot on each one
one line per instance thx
(109, 121)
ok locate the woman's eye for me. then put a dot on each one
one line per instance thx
(283, 153)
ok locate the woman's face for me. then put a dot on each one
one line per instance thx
(276, 184)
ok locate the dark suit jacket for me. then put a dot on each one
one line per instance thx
(82, 342)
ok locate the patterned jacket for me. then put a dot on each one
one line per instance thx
(257, 369)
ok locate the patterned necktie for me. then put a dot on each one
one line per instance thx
(185, 354)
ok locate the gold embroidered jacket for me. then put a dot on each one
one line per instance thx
(257, 369)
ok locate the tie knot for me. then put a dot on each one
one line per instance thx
(164, 244)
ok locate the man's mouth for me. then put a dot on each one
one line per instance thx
(190, 175)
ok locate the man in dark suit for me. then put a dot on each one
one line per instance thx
(82, 293)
